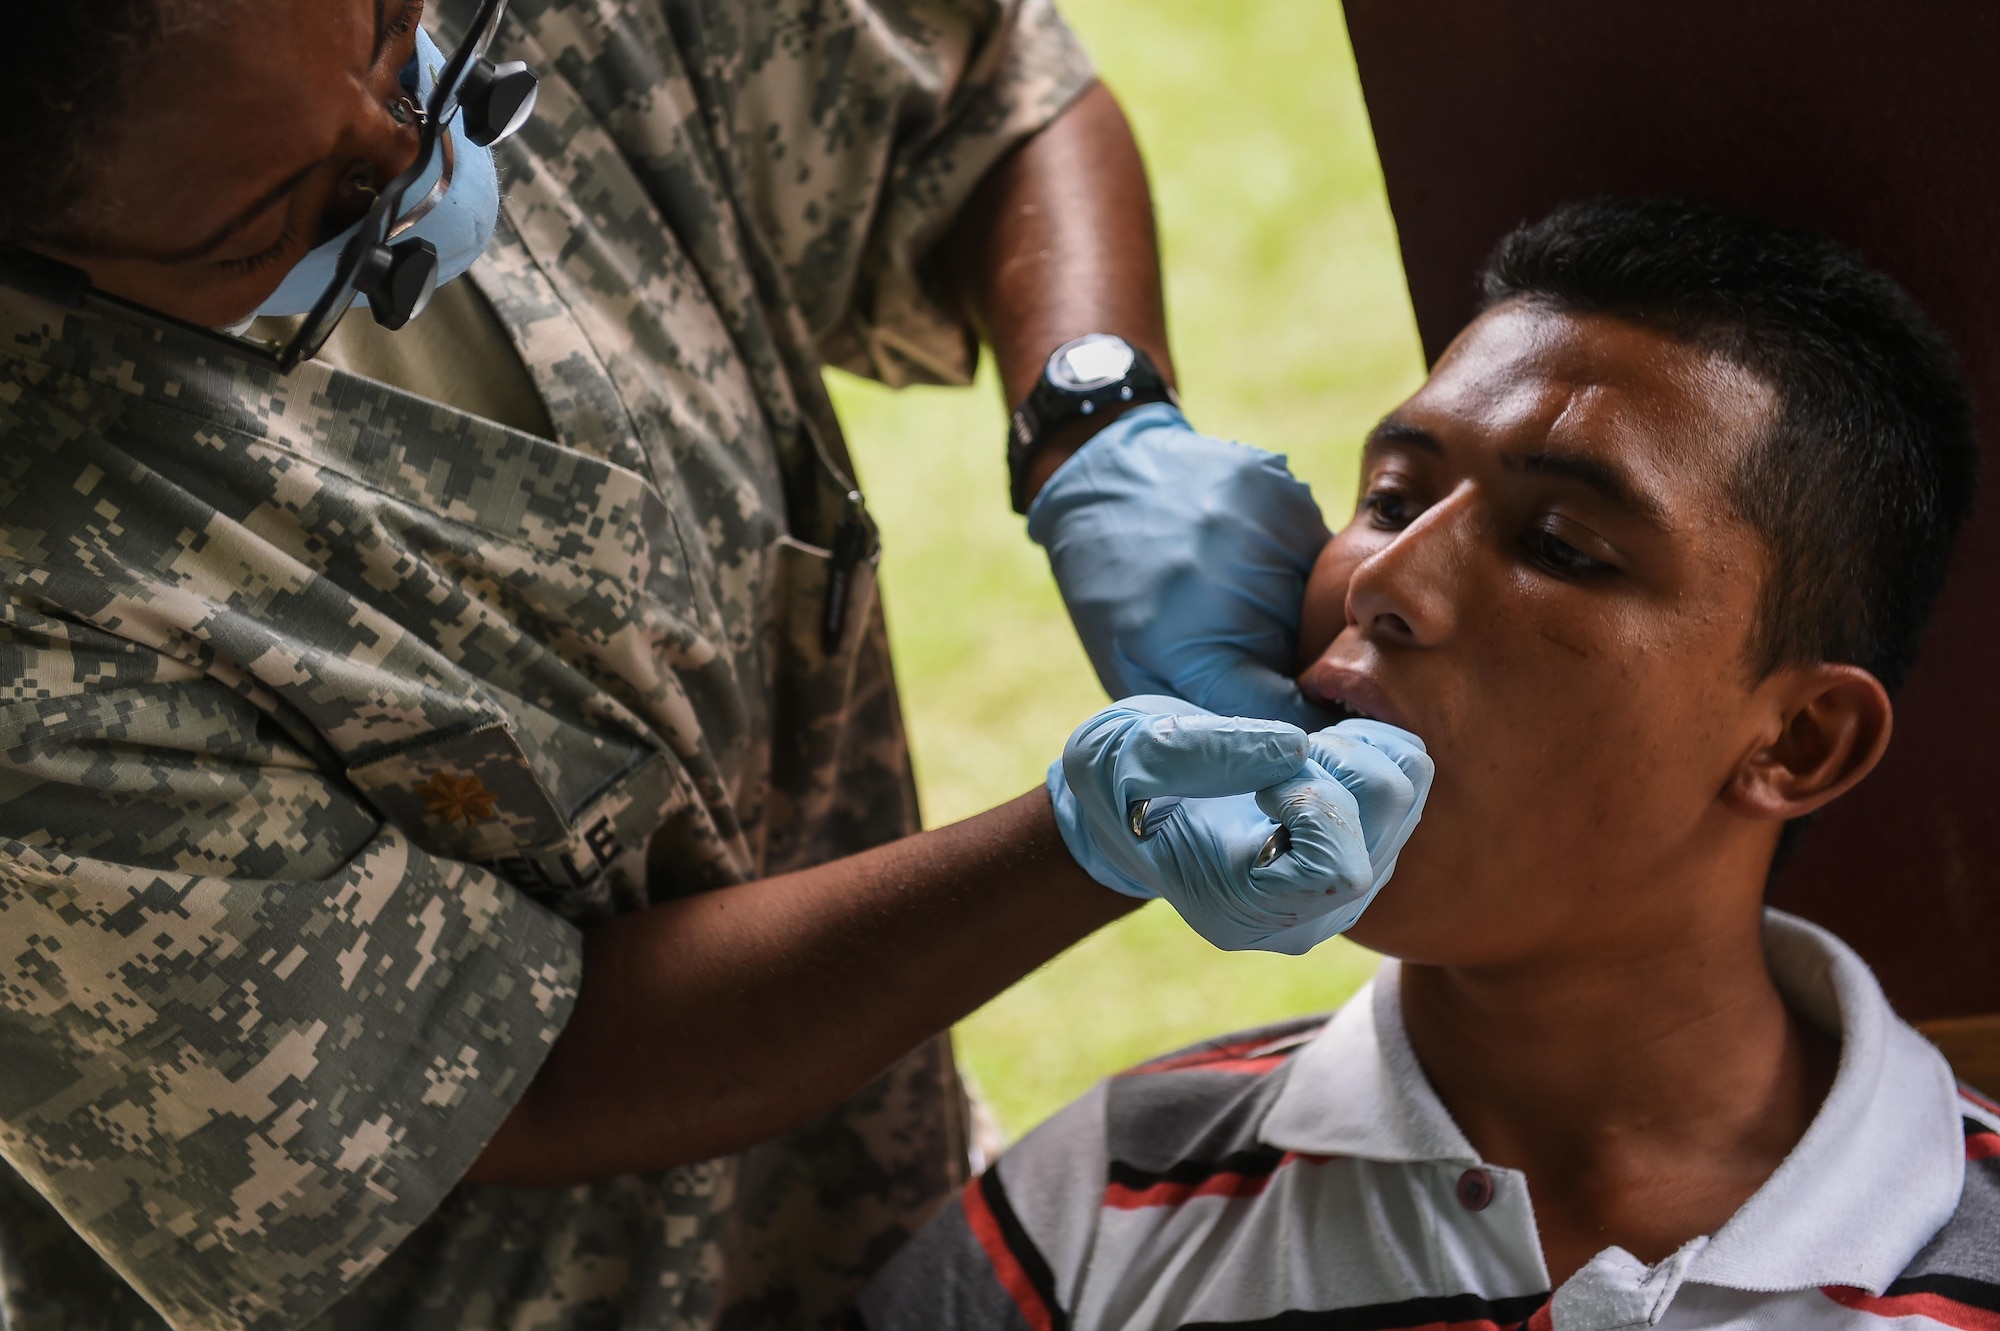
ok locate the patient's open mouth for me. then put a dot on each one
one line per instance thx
(1340, 708)
(1351, 694)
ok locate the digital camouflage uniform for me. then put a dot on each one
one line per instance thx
(331, 713)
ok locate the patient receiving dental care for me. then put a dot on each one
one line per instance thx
(1642, 563)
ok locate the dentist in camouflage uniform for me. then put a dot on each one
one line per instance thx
(456, 856)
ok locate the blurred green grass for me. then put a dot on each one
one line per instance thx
(1292, 330)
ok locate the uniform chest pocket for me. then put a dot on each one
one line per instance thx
(548, 582)
(495, 617)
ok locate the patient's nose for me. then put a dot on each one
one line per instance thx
(1405, 592)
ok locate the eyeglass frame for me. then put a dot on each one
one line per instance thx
(71, 287)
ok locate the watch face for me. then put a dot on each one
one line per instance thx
(1090, 362)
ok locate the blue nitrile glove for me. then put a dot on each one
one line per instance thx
(1354, 752)
(1237, 780)
(1183, 560)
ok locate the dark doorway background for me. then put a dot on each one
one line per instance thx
(1876, 123)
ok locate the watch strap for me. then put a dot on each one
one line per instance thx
(1048, 408)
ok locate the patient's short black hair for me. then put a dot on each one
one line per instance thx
(1868, 469)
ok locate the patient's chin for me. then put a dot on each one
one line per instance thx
(1380, 931)
(1429, 912)
(1406, 916)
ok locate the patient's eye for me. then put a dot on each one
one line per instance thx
(1552, 553)
(1388, 510)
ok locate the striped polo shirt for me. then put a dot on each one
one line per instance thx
(1307, 1178)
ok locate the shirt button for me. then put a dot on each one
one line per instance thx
(1475, 1189)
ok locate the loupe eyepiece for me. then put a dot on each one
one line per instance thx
(497, 100)
(399, 280)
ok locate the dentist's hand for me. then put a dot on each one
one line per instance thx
(1347, 800)
(1183, 561)
(1356, 752)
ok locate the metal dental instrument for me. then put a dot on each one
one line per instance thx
(1145, 817)
(1279, 843)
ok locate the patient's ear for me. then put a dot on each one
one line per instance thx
(1831, 724)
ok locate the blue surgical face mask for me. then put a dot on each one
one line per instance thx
(459, 220)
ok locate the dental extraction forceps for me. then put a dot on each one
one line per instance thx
(1145, 817)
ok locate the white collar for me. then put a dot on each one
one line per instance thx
(1357, 1089)
(1876, 1174)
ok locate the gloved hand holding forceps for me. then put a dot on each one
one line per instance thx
(1260, 835)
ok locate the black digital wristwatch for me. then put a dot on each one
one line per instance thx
(1093, 373)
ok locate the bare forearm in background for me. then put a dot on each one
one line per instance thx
(1058, 242)
(709, 1024)
(712, 1023)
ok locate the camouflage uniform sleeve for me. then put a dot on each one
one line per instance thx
(252, 1034)
(862, 128)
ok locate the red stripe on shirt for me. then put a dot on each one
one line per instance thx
(1007, 1267)
(1543, 1320)
(1222, 1183)
(1240, 1056)
(1949, 1312)
(1967, 1093)
(1251, 1067)
(1982, 1146)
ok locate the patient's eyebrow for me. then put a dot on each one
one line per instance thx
(1401, 432)
(1611, 481)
